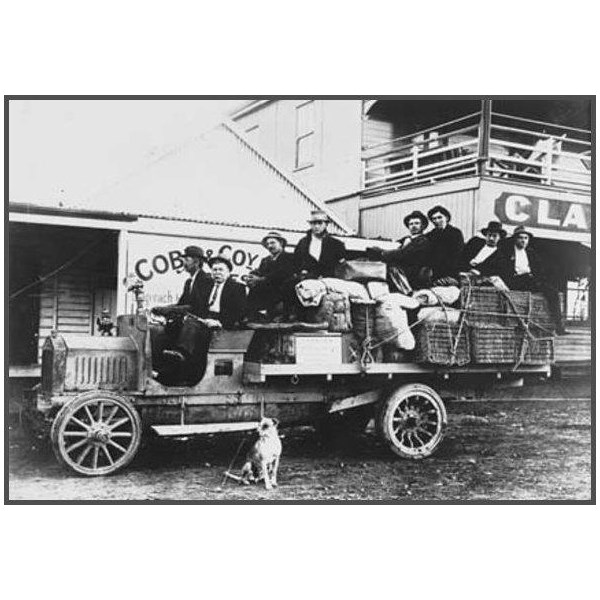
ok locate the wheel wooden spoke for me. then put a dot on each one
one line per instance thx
(89, 414)
(111, 415)
(121, 434)
(76, 445)
(119, 423)
(421, 442)
(76, 433)
(113, 443)
(107, 453)
(83, 454)
(428, 433)
(80, 423)
(95, 457)
(100, 411)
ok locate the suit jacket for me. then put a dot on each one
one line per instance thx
(191, 297)
(535, 263)
(496, 264)
(446, 251)
(233, 303)
(332, 252)
(276, 270)
(411, 258)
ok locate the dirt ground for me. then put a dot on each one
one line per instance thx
(498, 450)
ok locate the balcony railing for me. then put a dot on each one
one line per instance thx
(514, 148)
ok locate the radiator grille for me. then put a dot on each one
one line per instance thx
(98, 370)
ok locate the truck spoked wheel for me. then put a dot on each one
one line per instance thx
(96, 434)
(412, 421)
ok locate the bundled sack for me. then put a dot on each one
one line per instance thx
(391, 322)
(432, 297)
(433, 314)
(377, 289)
(335, 310)
(310, 292)
(353, 289)
(361, 270)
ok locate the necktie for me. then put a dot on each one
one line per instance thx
(213, 295)
(187, 288)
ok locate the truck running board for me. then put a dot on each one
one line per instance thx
(203, 428)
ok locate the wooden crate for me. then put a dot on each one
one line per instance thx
(539, 351)
(436, 342)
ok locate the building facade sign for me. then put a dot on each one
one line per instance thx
(543, 213)
(157, 261)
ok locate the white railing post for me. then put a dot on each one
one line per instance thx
(415, 160)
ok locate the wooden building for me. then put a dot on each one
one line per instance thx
(522, 162)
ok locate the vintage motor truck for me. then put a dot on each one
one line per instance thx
(99, 398)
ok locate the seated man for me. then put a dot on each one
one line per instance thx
(318, 253)
(526, 273)
(446, 248)
(220, 305)
(412, 255)
(483, 256)
(162, 338)
(272, 283)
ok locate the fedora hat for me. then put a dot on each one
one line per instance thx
(416, 214)
(494, 227)
(194, 252)
(522, 229)
(220, 259)
(318, 215)
(275, 235)
(440, 209)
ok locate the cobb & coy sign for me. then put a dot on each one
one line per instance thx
(543, 213)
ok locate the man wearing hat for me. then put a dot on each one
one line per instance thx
(318, 253)
(272, 282)
(447, 244)
(526, 272)
(483, 256)
(412, 254)
(221, 304)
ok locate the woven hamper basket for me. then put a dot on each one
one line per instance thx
(539, 352)
(494, 344)
(436, 341)
(479, 302)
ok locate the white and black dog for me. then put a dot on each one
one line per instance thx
(262, 461)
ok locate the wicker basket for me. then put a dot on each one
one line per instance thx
(494, 344)
(479, 302)
(436, 342)
(539, 352)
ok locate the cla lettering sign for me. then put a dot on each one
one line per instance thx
(147, 268)
(515, 209)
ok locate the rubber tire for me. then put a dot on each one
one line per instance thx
(75, 405)
(383, 420)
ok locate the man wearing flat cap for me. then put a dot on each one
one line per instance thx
(527, 273)
(483, 256)
(318, 253)
(447, 245)
(272, 283)
(412, 254)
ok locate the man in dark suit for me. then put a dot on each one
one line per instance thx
(483, 256)
(272, 283)
(447, 245)
(412, 254)
(318, 253)
(220, 305)
(165, 337)
(527, 273)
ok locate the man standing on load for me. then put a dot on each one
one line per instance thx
(527, 273)
(412, 254)
(318, 253)
(447, 245)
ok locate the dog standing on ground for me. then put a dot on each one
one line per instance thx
(262, 460)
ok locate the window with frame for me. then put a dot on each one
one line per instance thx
(578, 300)
(305, 135)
